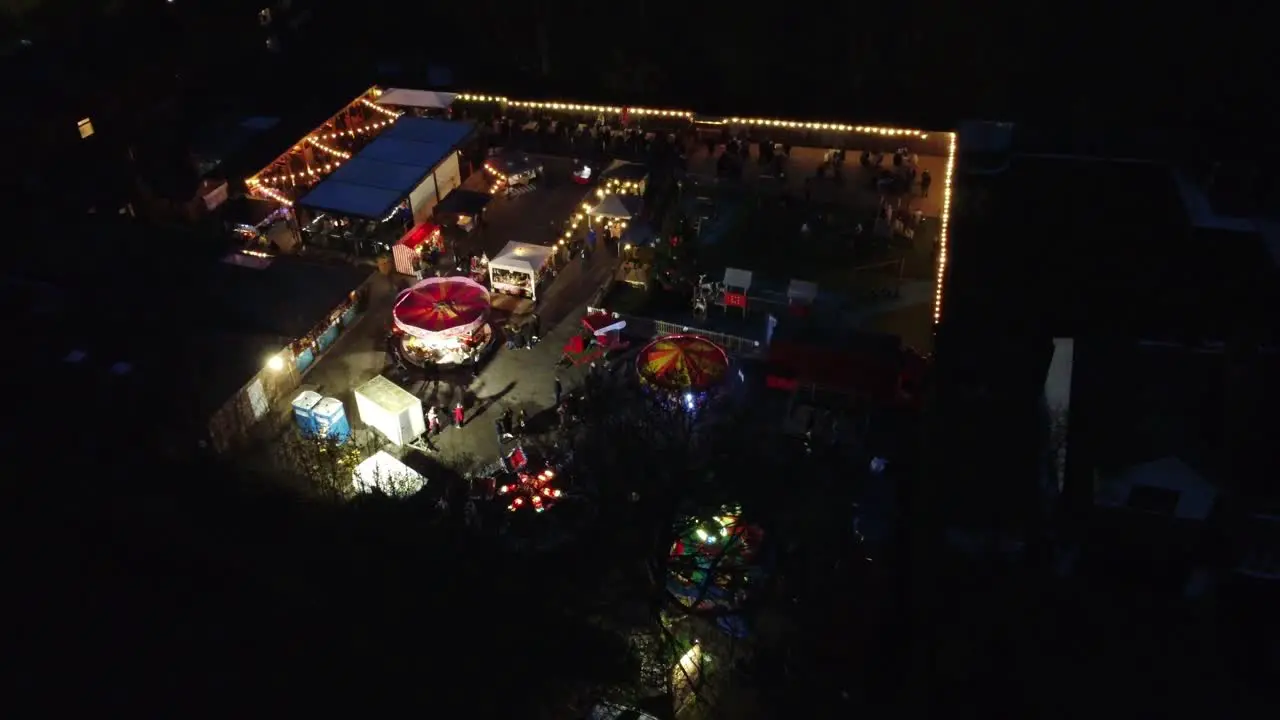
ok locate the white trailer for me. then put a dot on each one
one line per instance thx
(391, 410)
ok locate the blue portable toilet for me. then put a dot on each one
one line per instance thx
(331, 420)
(304, 411)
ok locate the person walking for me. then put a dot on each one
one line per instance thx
(520, 423)
(458, 415)
(505, 422)
(433, 420)
(563, 412)
(925, 181)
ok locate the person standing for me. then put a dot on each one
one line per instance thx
(498, 431)
(520, 423)
(505, 423)
(458, 414)
(433, 420)
(559, 390)
(925, 181)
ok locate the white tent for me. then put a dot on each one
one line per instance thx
(802, 292)
(616, 207)
(384, 473)
(523, 259)
(403, 97)
(737, 279)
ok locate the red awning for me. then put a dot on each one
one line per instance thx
(418, 235)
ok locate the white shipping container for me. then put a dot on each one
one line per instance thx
(391, 410)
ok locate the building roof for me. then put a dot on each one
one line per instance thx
(522, 257)
(287, 298)
(381, 175)
(1064, 246)
(404, 97)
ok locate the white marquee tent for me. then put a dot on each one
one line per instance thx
(524, 259)
(616, 207)
(382, 472)
(404, 97)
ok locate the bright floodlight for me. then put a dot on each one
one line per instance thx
(275, 364)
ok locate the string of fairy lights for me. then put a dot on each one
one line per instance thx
(268, 186)
(882, 131)
(263, 185)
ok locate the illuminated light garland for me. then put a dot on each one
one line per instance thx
(372, 127)
(944, 227)
(906, 133)
(378, 108)
(272, 193)
(834, 127)
(329, 149)
(573, 107)
(306, 174)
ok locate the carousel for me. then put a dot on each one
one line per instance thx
(713, 565)
(443, 321)
(682, 369)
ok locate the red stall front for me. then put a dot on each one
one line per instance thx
(415, 249)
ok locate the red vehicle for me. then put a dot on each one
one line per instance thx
(601, 333)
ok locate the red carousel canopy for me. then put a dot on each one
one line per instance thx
(682, 362)
(442, 307)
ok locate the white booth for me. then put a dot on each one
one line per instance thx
(382, 472)
(519, 268)
(391, 410)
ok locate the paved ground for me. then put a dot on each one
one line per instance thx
(519, 379)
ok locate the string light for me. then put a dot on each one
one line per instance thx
(883, 131)
(944, 226)
(303, 175)
(353, 132)
(329, 149)
(255, 187)
(378, 108)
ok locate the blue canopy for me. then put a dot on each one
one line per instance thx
(383, 174)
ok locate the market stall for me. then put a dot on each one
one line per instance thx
(443, 321)
(519, 268)
(625, 178)
(615, 212)
(508, 169)
(462, 209)
(683, 369)
(419, 248)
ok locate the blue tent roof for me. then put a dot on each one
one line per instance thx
(426, 130)
(373, 182)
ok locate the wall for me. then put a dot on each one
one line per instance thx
(232, 423)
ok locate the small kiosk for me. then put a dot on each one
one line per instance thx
(625, 178)
(519, 268)
(416, 249)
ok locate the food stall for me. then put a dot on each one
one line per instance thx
(419, 247)
(625, 178)
(509, 169)
(615, 212)
(519, 268)
(443, 321)
(462, 208)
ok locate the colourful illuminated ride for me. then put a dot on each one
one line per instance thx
(443, 321)
(713, 566)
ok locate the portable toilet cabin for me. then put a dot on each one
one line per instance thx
(331, 420)
(304, 411)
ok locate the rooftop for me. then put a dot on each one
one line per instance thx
(1070, 246)
(384, 172)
